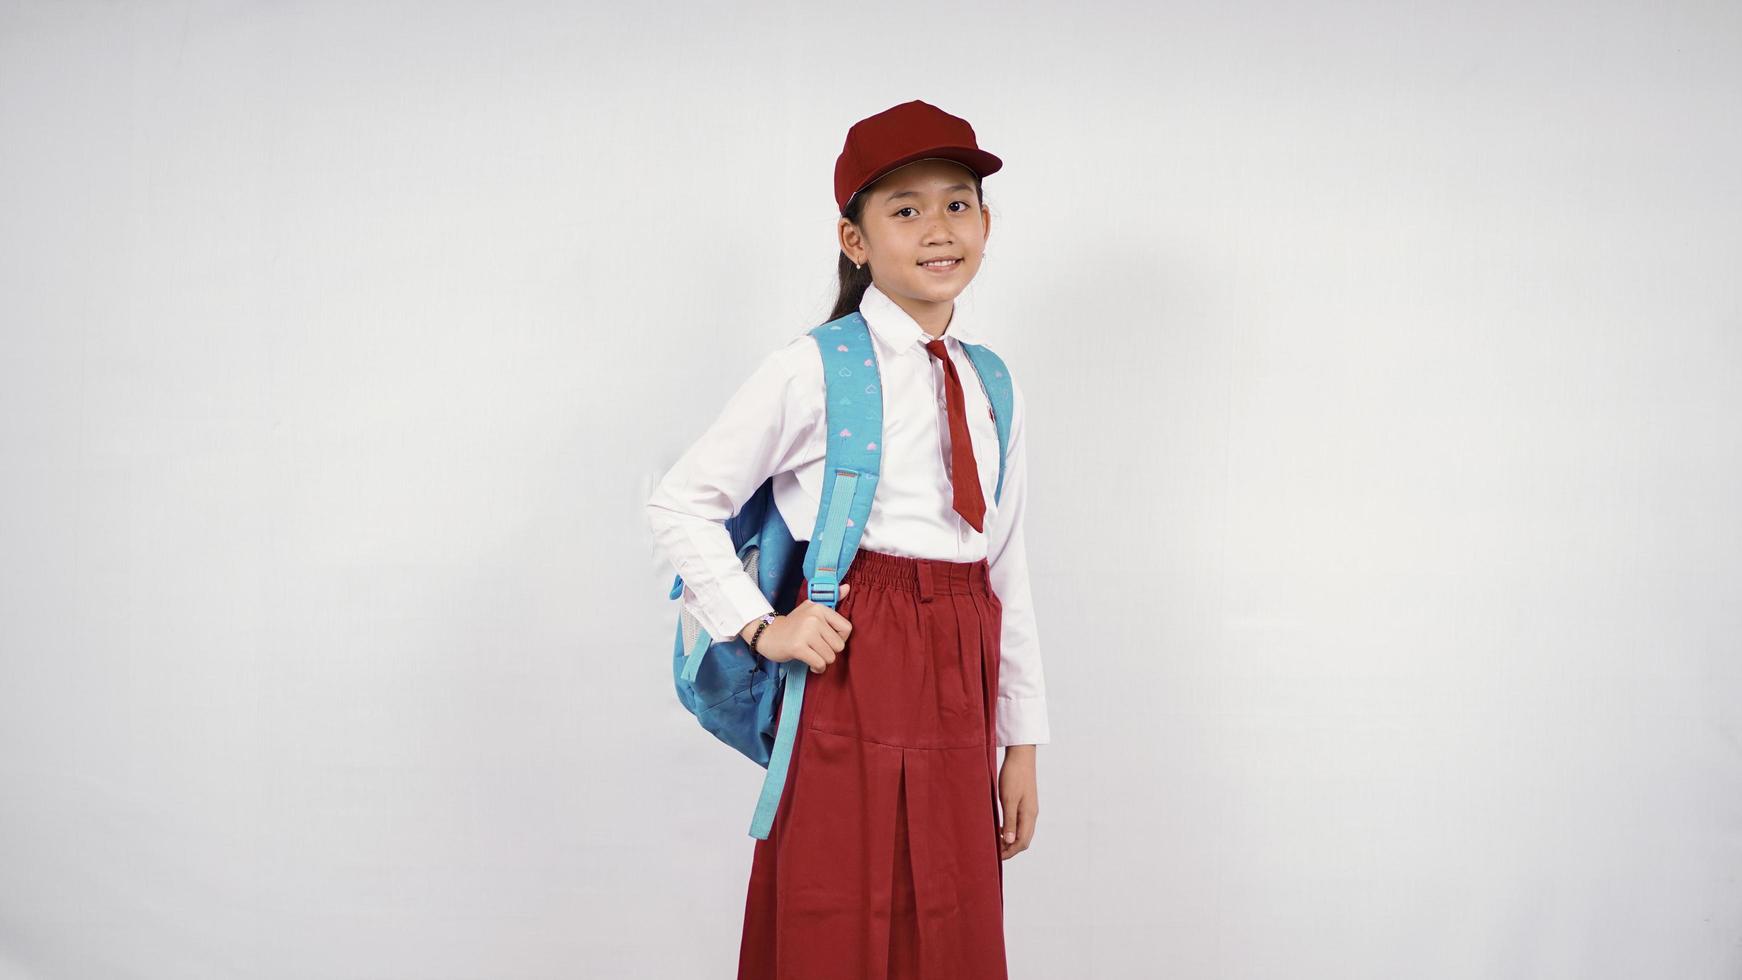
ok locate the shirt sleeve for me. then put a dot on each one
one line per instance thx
(768, 426)
(1022, 716)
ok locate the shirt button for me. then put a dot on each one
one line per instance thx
(964, 534)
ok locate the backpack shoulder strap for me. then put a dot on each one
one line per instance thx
(995, 379)
(854, 423)
(853, 407)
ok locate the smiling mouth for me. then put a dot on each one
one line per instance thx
(941, 264)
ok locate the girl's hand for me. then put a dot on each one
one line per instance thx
(812, 632)
(1019, 795)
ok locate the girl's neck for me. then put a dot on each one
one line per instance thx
(933, 318)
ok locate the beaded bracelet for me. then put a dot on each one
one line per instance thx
(766, 619)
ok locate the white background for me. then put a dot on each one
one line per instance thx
(1383, 364)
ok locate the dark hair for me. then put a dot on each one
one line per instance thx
(854, 281)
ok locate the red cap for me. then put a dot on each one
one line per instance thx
(901, 135)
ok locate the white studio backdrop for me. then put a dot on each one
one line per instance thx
(1383, 364)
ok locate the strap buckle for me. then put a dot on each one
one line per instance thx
(824, 588)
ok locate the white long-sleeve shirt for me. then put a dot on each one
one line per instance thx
(773, 425)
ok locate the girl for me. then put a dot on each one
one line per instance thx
(885, 856)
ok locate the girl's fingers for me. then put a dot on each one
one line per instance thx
(819, 656)
(838, 621)
(1017, 831)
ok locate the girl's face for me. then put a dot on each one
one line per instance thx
(923, 211)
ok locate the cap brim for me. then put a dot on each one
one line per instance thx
(979, 161)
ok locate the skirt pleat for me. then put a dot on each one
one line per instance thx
(882, 861)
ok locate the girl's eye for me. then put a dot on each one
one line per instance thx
(964, 205)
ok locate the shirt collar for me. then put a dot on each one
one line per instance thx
(899, 332)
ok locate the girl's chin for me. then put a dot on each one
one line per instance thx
(943, 284)
(939, 292)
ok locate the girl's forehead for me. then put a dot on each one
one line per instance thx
(923, 175)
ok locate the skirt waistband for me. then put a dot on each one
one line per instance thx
(926, 576)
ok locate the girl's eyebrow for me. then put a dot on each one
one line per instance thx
(953, 187)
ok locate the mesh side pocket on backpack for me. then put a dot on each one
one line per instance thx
(692, 627)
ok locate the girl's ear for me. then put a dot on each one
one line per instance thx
(852, 241)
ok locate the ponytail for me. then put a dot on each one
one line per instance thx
(854, 282)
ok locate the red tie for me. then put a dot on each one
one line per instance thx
(964, 475)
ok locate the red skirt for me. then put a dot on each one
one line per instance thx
(882, 861)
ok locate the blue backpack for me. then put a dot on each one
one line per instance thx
(732, 690)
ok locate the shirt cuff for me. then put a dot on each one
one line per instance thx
(1022, 721)
(737, 601)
